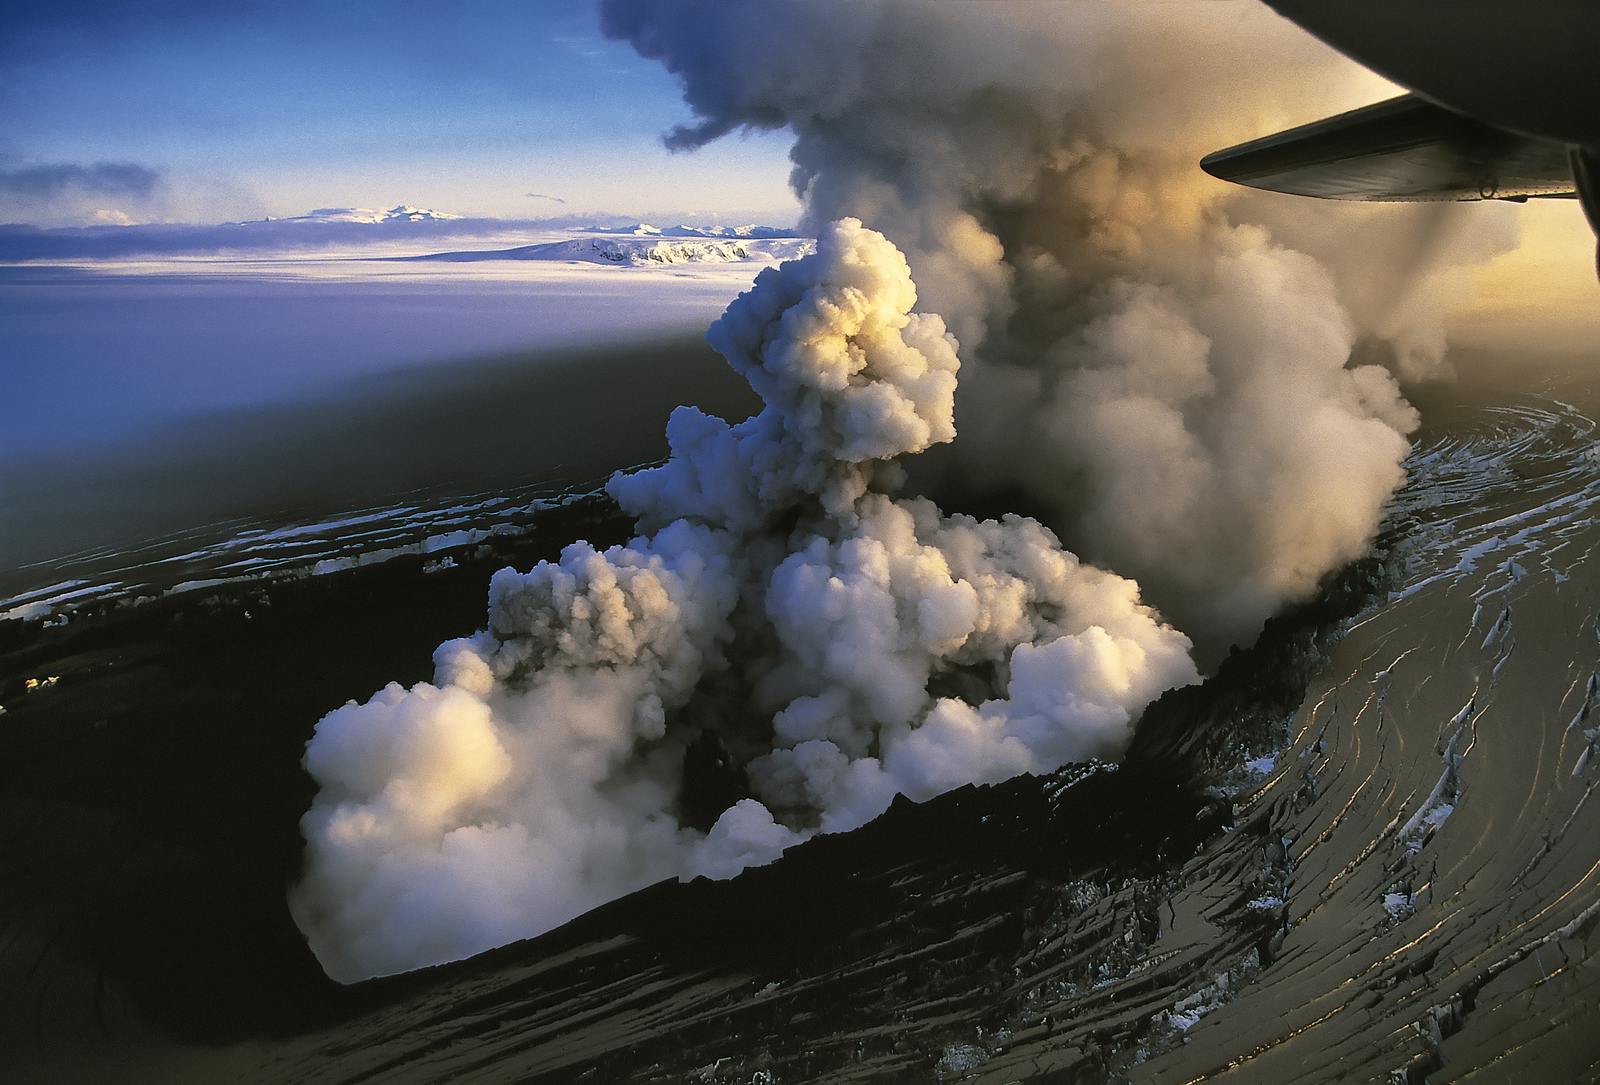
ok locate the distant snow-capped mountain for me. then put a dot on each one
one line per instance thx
(402, 213)
(644, 229)
(643, 251)
(359, 228)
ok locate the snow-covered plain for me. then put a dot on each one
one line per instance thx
(101, 349)
(107, 355)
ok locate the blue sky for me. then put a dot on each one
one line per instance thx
(204, 112)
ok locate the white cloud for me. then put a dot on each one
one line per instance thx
(780, 600)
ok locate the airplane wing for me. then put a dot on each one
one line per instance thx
(1405, 149)
(1527, 67)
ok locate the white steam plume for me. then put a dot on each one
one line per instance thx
(1158, 361)
(839, 644)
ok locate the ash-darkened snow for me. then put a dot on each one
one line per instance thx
(1359, 849)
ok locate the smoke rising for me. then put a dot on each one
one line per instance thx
(1160, 362)
(838, 644)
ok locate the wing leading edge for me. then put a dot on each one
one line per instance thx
(1404, 149)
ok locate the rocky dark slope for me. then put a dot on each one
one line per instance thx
(1363, 850)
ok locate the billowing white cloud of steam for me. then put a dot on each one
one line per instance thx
(1165, 365)
(1160, 362)
(842, 646)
